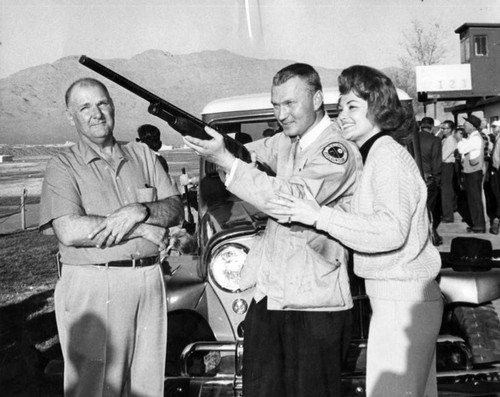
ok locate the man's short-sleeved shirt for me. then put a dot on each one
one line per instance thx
(80, 182)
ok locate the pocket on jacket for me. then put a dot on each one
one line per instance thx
(313, 282)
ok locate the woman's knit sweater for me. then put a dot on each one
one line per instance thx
(387, 226)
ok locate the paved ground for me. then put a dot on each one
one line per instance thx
(458, 229)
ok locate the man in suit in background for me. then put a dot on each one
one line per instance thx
(431, 152)
(449, 145)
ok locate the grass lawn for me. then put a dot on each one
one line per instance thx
(28, 334)
(27, 264)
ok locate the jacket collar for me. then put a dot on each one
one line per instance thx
(313, 134)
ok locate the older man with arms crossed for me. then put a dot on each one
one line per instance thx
(300, 315)
(109, 205)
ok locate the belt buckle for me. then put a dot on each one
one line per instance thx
(134, 262)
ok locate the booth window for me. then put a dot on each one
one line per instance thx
(480, 48)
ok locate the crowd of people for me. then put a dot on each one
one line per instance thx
(461, 167)
(344, 186)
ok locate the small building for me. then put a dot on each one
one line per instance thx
(476, 81)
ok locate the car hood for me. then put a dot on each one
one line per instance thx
(233, 214)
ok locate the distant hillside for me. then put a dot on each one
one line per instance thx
(32, 103)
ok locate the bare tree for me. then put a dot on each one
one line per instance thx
(421, 45)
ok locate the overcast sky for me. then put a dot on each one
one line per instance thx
(329, 33)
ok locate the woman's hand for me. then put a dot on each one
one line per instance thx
(287, 208)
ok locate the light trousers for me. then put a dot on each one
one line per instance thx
(112, 325)
(401, 353)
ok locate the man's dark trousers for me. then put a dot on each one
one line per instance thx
(447, 191)
(434, 204)
(473, 184)
(293, 353)
(495, 187)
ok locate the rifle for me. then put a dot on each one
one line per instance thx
(180, 120)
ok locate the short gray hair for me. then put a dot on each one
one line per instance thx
(84, 82)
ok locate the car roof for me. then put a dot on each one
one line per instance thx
(262, 101)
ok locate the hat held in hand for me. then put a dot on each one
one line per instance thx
(469, 253)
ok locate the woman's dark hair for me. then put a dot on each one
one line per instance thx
(378, 90)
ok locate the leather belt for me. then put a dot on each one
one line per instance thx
(141, 262)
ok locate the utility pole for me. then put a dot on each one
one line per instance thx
(23, 209)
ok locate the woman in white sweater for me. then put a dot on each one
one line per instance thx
(387, 227)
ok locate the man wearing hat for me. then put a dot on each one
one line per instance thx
(472, 151)
(495, 176)
(150, 135)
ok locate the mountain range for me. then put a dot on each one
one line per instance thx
(32, 109)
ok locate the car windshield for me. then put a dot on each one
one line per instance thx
(245, 132)
(212, 189)
(245, 127)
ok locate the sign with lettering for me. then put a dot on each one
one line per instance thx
(444, 78)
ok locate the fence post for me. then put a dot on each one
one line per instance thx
(23, 217)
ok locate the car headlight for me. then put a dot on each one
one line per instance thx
(226, 264)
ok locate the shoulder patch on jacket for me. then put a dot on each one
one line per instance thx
(336, 153)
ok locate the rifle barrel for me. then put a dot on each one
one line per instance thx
(118, 79)
(138, 90)
(182, 121)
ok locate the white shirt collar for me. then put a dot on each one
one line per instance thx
(311, 135)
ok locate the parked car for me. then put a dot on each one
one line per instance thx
(207, 309)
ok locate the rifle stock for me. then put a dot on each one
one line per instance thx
(180, 120)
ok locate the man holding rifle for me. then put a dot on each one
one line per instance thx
(296, 326)
(110, 205)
